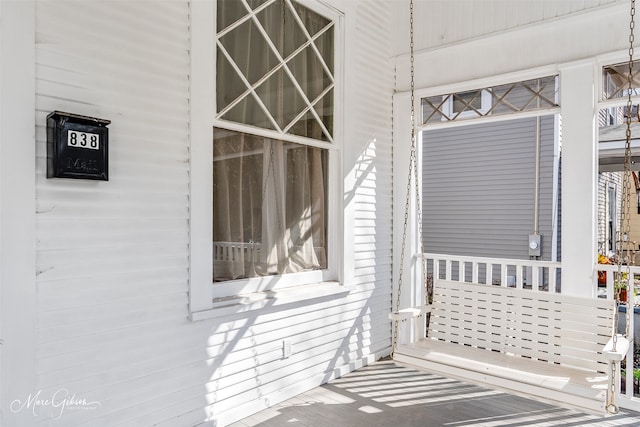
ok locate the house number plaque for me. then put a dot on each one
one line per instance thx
(83, 140)
(77, 146)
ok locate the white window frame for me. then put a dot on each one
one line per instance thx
(206, 298)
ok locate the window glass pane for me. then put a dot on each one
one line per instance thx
(308, 126)
(324, 108)
(503, 98)
(255, 3)
(229, 11)
(615, 80)
(433, 107)
(234, 86)
(248, 111)
(324, 43)
(511, 98)
(281, 98)
(269, 206)
(250, 51)
(307, 69)
(467, 101)
(312, 21)
(282, 28)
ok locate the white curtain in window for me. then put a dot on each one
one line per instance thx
(269, 207)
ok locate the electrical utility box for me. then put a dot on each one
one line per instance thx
(535, 245)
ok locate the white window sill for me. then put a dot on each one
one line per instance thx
(257, 300)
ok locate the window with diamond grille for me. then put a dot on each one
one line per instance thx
(275, 67)
(274, 76)
(615, 80)
(529, 95)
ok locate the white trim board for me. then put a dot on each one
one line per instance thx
(17, 209)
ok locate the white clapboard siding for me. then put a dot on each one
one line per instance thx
(253, 344)
(191, 369)
(112, 260)
(455, 21)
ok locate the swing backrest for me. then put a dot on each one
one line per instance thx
(554, 328)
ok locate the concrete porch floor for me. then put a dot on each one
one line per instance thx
(388, 394)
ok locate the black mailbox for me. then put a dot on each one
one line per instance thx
(77, 146)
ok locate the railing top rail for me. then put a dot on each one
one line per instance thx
(487, 260)
(612, 267)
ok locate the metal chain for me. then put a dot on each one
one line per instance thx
(412, 166)
(623, 239)
(611, 406)
(414, 154)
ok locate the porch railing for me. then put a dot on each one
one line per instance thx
(522, 274)
(608, 278)
(236, 251)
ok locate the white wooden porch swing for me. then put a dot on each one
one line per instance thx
(555, 348)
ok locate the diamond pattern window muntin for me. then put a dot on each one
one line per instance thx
(311, 84)
(252, 67)
(274, 91)
(269, 17)
(304, 63)
(615, 82)
(529, 95)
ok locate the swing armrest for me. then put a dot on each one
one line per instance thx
(410, 324)
(409, 313)
(622, 346)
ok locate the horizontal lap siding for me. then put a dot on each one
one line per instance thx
(112, 258)
(478, 184)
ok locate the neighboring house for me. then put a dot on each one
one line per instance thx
(612, 139)
(609, 208)
(479, 189)
(634, 220)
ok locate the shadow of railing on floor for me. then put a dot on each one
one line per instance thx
(387, 394)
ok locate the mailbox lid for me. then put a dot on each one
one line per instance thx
(61, 117)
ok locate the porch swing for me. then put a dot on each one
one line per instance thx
(554, 348)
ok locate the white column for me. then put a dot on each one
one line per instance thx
(579, 174)
(202, 113)
(18, 313)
